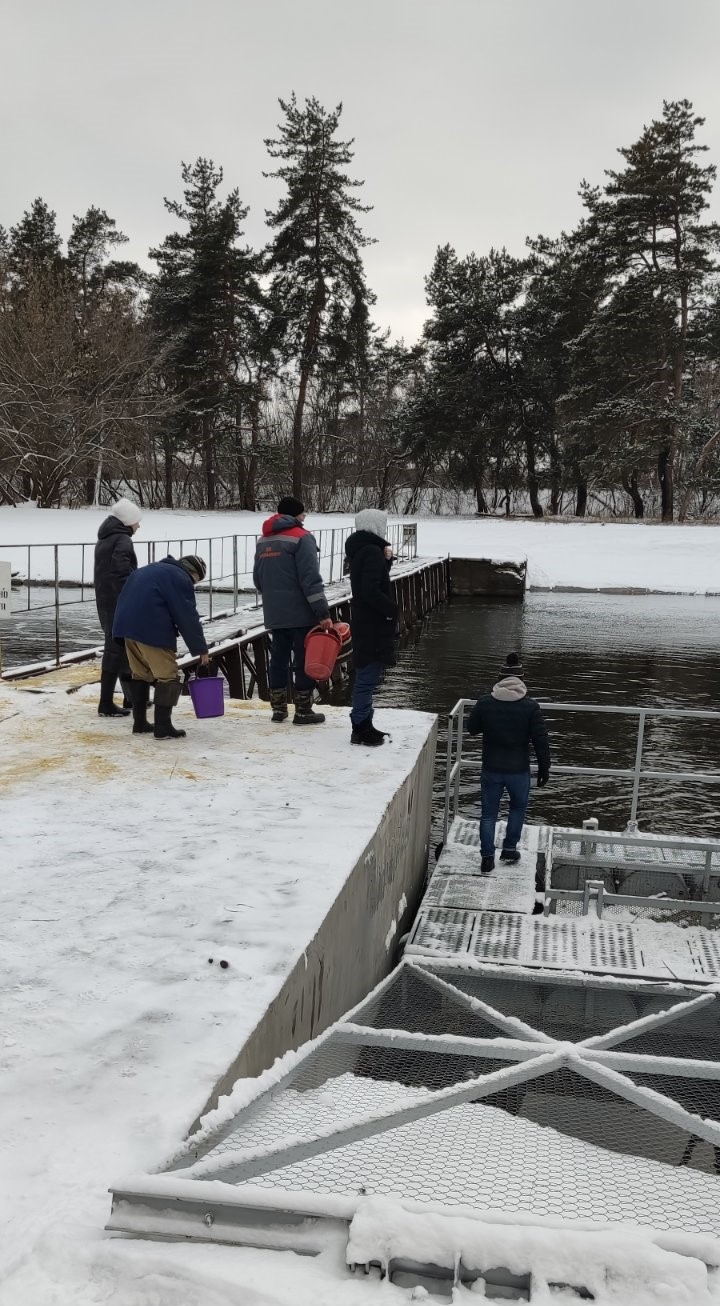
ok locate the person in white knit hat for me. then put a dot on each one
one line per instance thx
(115, 560)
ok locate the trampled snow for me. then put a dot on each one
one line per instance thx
(127, 865)
(671, 559)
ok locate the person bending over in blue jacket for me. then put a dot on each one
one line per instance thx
(287, 577)
(509, 722)
(156, 605)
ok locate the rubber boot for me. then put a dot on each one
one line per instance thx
(366, 733)
(304, 715)
(139, 693)
(106, 706)
(167, 694)
(509, 855)
(487, 864)
(126, 687)
(279, 704)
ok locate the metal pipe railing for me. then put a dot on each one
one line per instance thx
(636, 773)
(61, 568)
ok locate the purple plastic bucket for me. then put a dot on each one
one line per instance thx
(207, 697)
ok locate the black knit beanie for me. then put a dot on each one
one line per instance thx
(290, 507)
(513, 667)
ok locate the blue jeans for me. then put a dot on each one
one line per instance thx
(492, 784)
(366, 682)
(286, 643)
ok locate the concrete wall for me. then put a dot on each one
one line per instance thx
(476, 576)
(356, 944)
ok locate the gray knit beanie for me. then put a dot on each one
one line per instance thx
(373, 520)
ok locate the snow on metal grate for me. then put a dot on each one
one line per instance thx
(498, 936)
(464, 832)
(613, 949)
(705, 949)
(443, 929)
(554, 944)
(468, 891)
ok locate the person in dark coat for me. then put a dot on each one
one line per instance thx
(509, 721)
(115, 560)
(373, 617)
(287, 577)
(156, 605)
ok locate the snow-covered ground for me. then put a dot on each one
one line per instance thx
(583, 555)
(126, 865)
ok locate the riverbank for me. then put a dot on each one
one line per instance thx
(564, 555)
(131, 872)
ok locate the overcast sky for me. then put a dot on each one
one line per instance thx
(474, 120)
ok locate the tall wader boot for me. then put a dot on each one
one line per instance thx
(279, 705)
(126, 687)
(167, 693)
(304, 715)
(106, 706)
(140, 693)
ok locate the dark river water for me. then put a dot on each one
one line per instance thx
(581, 648)
(585, 648)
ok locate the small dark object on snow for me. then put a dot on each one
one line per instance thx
(210, 961)
(224, 964)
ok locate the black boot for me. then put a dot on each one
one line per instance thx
(279, 705)
(166, 696)
(487, 864)
(509, 855)
(139, 693)
(304, 715)
(366, 733)
(126, 687)
(106, 706)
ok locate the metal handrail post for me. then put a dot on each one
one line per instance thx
(210, 579)
(57, 605)
(235, 573)
(632, 823)
(448, 774)
(460, 735)
(332, 555)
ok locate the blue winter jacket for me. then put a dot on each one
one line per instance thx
(156, 605)
(287, 575)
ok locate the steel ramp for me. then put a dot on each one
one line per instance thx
(486, 1087)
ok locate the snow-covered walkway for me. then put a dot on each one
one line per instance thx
(127, 865)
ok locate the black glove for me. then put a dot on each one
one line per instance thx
(543, 777)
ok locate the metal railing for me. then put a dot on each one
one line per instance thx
(456, 762)
(53, 578)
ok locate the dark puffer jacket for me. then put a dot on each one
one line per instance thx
(158, 604)
(508, 727)
(287, 575)
(115, 560)
(373, 610)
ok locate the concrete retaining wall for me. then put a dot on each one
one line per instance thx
(356, 944)
(477, 576)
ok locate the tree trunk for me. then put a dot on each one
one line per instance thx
(581, 498)
(533, 486)
(480, 494)
(705, 453)
(665, 478)
(630, 486)
(555, 479)
(168, 469)
(250, 499)
(208, 460)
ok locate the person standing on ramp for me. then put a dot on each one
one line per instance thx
(509, 721)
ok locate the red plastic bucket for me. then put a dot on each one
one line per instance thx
(207, 696)
(321, 652)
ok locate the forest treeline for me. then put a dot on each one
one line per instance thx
(582, 377)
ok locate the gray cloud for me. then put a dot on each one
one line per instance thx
(474, 120)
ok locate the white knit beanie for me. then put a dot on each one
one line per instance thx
(126, 512)
(373, 520)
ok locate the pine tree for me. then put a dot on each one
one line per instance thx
(91, 240)
(659, 253)
(203, 303)
(35, 243)
(315, 255)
